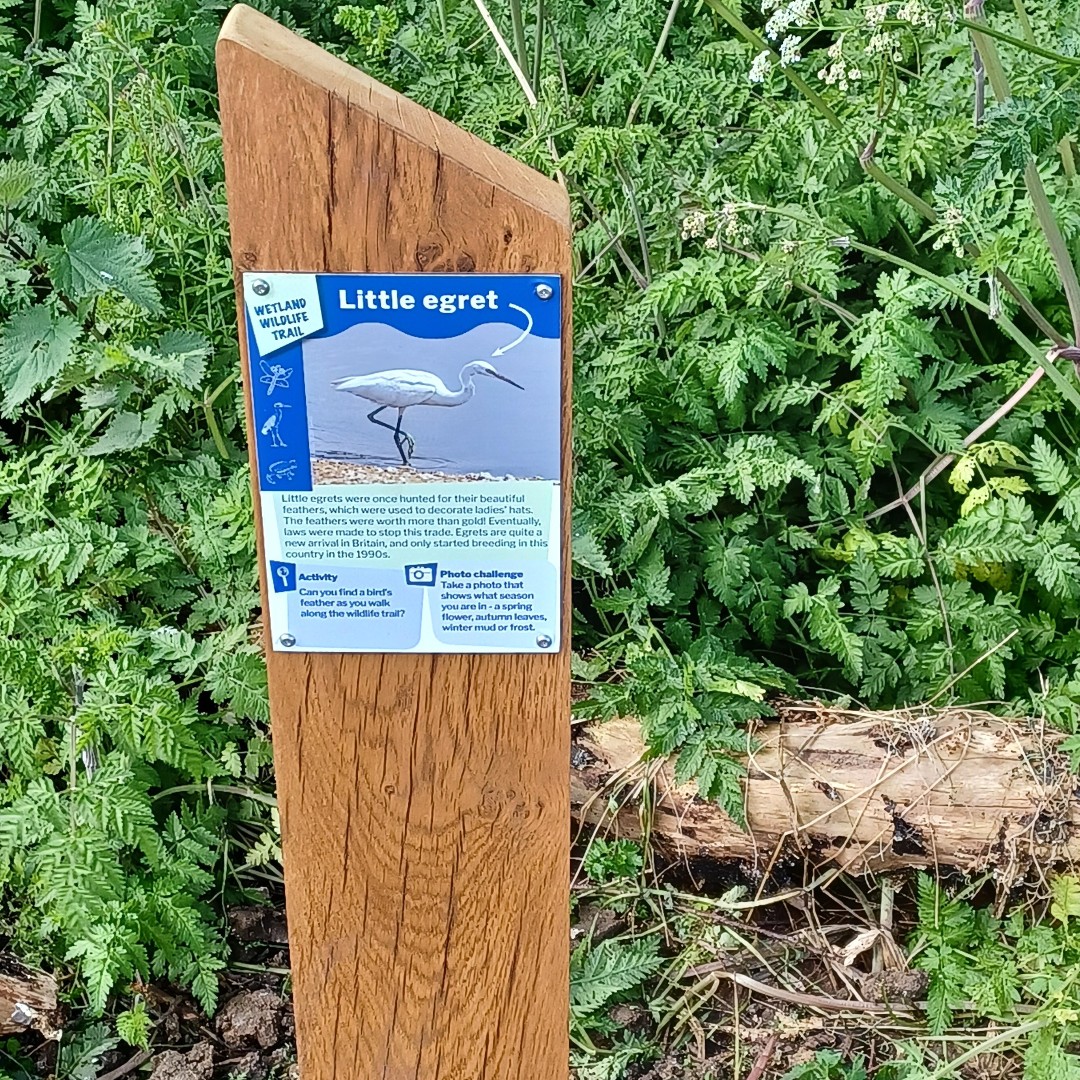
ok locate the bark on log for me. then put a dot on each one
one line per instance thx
(27, 1000)
(864, 791)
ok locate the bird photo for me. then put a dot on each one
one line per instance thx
(385, 406)
(402, 388)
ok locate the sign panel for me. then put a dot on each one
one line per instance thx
(407, 432)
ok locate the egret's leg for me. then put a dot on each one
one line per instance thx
(389, 427)
(403, 437)
(382, 423)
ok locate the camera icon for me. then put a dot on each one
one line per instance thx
(421, 574)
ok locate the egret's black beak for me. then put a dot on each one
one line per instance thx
(505, 379)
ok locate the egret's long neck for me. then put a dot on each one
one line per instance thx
(459, 397)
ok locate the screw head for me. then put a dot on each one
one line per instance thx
(543, 641)
(260, 287)
(544, 291)
(287, 640)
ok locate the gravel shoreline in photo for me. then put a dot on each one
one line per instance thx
(326, 471)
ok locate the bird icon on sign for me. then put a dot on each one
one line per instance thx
(272, 425)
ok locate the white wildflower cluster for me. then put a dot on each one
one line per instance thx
(732, 227)
(694, 225)
(951, 222)
(789, 246)
(793, 13)
(789, 50)
(837, 72)
(876, 14)
(783, 17)
(725, 227)
(760, 67)
(915, 13)
(885, 43)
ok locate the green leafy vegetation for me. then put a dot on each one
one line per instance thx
(826, 439)
(129, 670)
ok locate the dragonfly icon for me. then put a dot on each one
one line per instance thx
(275, 375)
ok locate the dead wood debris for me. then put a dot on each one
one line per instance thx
(862, 791)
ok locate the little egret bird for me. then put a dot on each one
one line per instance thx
(401, 388)
(272, 424)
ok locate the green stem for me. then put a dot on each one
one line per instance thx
(661, 43)
(518, 24)
(977, 27)
(215, 431)
(538, 45)
(1025, 22)
(1044, 213)
(1068, 159)
(221, 387)
(211, 416)
(228, 789)
(950, 1067)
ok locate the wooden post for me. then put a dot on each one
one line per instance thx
(424, 798)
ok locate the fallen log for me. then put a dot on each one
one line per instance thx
(862, 791)
(27, 1000)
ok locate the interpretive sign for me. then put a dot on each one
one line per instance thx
(408, 446)
(406, 364)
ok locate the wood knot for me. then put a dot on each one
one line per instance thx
(465, 264)
(490, 803)
(429, 255)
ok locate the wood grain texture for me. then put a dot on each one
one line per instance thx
(424, 799)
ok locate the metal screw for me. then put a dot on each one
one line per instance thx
(287, 640)
(545, 292)
(260, 287)
(542, 639)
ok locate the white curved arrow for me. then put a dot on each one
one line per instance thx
(521, 337)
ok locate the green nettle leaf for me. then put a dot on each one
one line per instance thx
(134, 1026)
(93, 259)
(239, 678)
(17, 180)
(128, 430)
(589, 555)
(613, 967)
(182, 355)
(35, 346)
(1052, 473)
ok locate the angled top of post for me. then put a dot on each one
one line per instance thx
(247, 29)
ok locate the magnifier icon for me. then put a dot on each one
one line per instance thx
(283, 575)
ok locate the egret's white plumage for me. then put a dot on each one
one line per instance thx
(401, 388)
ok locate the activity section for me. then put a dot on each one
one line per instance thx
(512, 606)
(316, 607)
